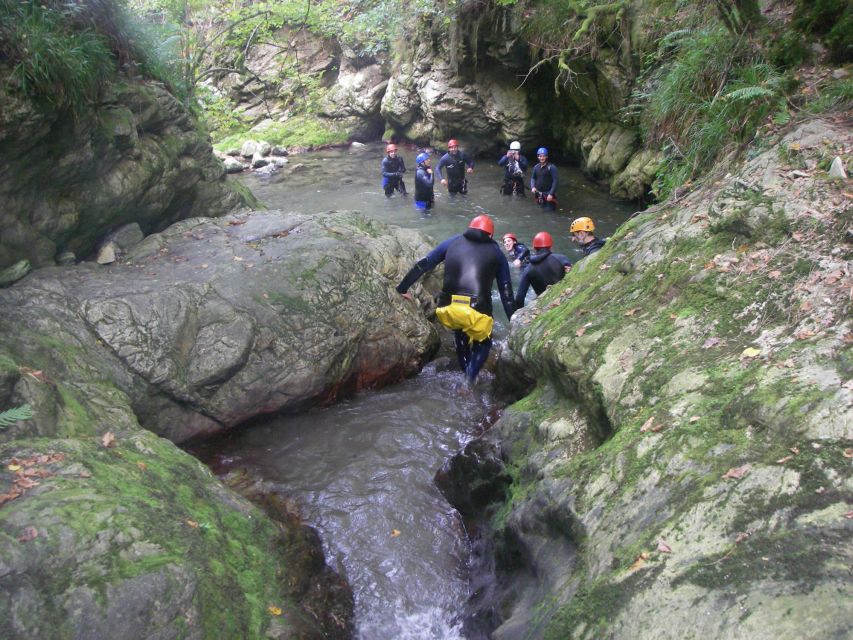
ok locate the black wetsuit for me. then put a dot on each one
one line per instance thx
(545, 269)
(456, 164)
(514, 175)
(544, 180)
(424, 187)
(592, 247)
(472, 262)
(392, 175)
(520, 252)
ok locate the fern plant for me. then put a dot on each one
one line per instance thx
(11, 416)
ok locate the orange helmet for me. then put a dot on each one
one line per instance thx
(511, 236)
(543, 240)
(483, 223)
(390, 148)
(452, 143)
(582, 224)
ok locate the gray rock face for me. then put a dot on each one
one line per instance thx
(681, 467)
(212, 322)
(137, 158)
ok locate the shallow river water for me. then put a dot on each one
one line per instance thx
(363, 469)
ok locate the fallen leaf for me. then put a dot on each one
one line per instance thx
(37, 375)
(784, 460)
(142, 466)
(273, 610)
(631, 312)
(395, 533)
(673, 316)
(849, 515)
(750, 352)
(741, 537)
(14, 467)
(204, 266)
(795, 450)
(108, 440)
(656, 428)
(848, 453)
(192, 523)
(85, 474)
(647, 424)
(694, 419)
(820, 490)
(774, 275)
(238, 258)
(30, 533)
(234, 223)
(786, 364)
(640, 561)
(738, 472)
(804, 334)
(603, 267)
(663, 547)
(797, 235)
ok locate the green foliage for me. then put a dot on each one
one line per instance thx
(709, 96)
(830, 19)
(836, 95)
(62, 53)
(11, 416)
(300, 130)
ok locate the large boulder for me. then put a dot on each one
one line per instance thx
(215, 321)
(681, 467)
(136, 157)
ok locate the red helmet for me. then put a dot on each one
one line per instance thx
(483, 223)
(452, 143)
(543, 240)
(511, 236)
(390, 148)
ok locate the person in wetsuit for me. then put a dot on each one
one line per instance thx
(424, 179)
(393, 169)
(543, 180)
(582, 232)
(545, 268)
(515, 165)
(472, 262)
(457, 164)
(517, 252)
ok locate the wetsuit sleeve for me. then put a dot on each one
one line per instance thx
(553, 171)
(425, 265)
(502, 162)
(525, 253)
(533, 177)
(402, 166)
(386, 173)
(505, 284)
(440, 166)
(522, 162)
(564, 261)
(523, 286)
(468, 161)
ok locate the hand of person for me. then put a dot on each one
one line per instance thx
(443, 181)
(549, 198)
(470, 169)
(567, 268)
(516, 263)
(408, 296)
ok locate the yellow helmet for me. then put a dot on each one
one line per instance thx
(582, 224)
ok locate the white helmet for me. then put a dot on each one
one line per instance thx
(515, 146)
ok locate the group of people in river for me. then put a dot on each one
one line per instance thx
(454, 166)
(473, 261)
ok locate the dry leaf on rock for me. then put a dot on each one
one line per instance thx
(108, 440)
(273, 610)
(750, 352)
(663, 547)
(784, 460)
(395, 533)
(29, 533)
(647, 424)
(737, 473)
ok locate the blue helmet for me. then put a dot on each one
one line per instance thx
(422, 157)
(542, 151)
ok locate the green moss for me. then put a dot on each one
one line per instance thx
(299, 131)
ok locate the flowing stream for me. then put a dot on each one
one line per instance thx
(363, 469)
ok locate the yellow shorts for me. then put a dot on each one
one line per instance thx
(459, 315)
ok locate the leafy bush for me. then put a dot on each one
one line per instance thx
(709, 95)
(830, 19)
(63, 51)
(303, 131)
